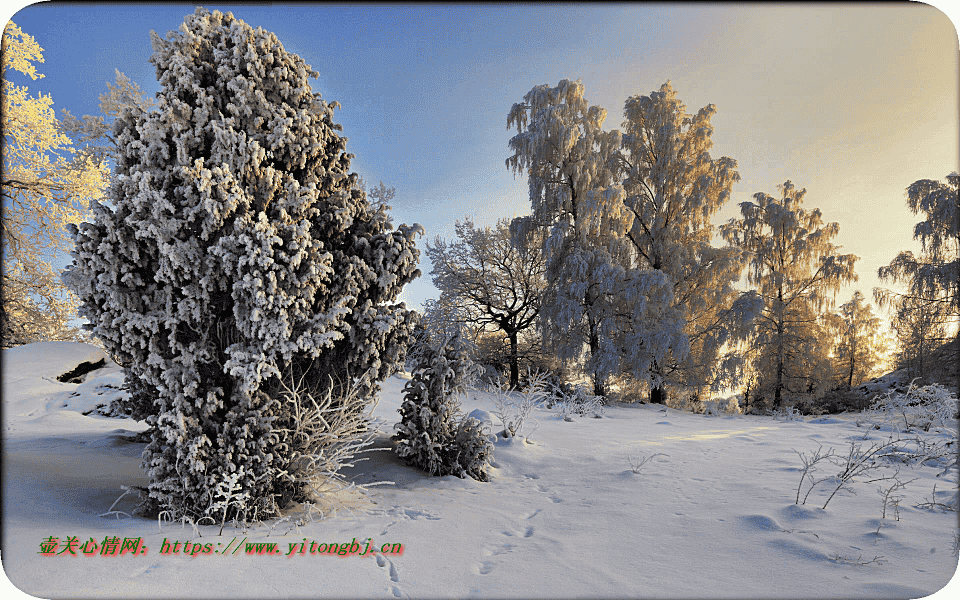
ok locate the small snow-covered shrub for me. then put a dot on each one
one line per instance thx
(733, 406)
(474, 449)
(854, 467)
(919, 407)
(787, 413)
(431, 435)
(324, 435)
(514, 408)
(721, 406)
(577, 400)
(711, 408)
(541, 379)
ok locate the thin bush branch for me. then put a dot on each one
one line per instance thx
(809, 467)
(933, 504)
(891, 497)
(642, 461)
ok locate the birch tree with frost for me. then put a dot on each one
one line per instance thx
(672, 189)
(237, 259)
(933, 278)
(796, 270)
(920, 328)
(595, 299)
(93, 134)
(856, 351)
(46, 184)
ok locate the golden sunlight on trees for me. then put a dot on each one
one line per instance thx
(672, 187)
(796, 269)
(858, 345)
(45, 186)
(928, 312)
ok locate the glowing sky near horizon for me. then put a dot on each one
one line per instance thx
(851, 102)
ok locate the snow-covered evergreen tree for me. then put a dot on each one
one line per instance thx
(672, 189)
(237, 256)
(432, 434)
(796, 270)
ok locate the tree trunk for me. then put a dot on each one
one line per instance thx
(599, 389)
(658, 395)
(778, 385)
(778, 388)
(514, 361)
(920, 361)
(850, 373)
(956, 352)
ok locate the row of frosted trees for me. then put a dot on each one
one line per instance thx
(616, 268)
(240, 275)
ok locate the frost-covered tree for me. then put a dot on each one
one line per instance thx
(856, 353)
(93, 134)
(933, 278)
(496, 284)
(443, 318)
(432, 434)
(236, 259)
(379, 195)
(46, 185)
(595, 299)
(796, 270)
(920, 328)
(672, 189)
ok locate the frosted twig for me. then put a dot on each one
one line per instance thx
(809, 466)
(642, 461)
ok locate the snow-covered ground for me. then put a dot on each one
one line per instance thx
(711, 514)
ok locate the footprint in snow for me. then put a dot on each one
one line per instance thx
(150, 568)
(411, 513)
(486, 566)
(385, 563)
(527, 532)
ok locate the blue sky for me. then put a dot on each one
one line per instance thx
(851, 102)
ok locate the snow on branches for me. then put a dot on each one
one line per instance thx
(624, 220)
(237, 249)
(432, 434)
